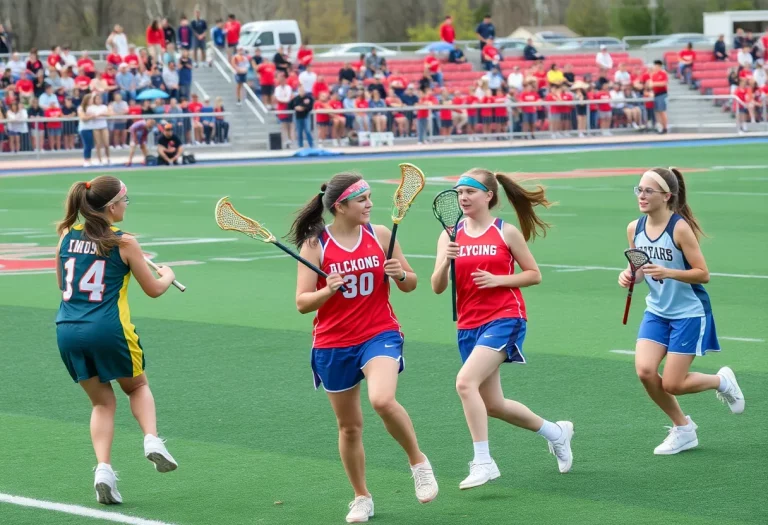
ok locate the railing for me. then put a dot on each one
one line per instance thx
(251, 98)
(37, 137)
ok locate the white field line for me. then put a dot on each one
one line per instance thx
(77, 510)
(743, 339)
(625, 352)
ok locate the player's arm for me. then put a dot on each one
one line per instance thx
(58, 265)
(446, 250)
(397, 266)
(530, 274)
(625, 277)
(133, 256)
(686, 240)
(308, 297)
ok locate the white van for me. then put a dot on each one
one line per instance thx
(269, 35)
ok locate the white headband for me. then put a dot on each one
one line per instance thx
(120, 195)
(659, 180)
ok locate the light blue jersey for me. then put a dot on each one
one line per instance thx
(670, 299)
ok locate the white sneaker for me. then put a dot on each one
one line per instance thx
(425, 482)
(678, 440)
(360, 509)
(155, 451)
(733, 397)
(105, 483)
(480, 474)
(561, 447)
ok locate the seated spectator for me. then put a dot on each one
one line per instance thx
(530, 52)
(222, 126)
(126, 83)
(720, 51)
(347, 73)
(373, 63)
(603, 58)
(744, 57)
(570, 78)
(209, 123)
(132, 60)
(319, 86)
(685, 65)
(170, 55)
(17, 67)
(622, 76)
(432, 66)
(515, 79)
(48, 97)
(456, 55)
(304, 56)
(307, 78)
(171, 80)
(491, 56)
(86, 65)
(555, 76)
(169, 147)
(67, 60)
(114, 57)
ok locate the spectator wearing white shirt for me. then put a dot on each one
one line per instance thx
(307, 78)
(744, 57)
(759, 74)
(618, 101)
(171, 80)
(66, 59)
(622, 76)
(283, 96)
(17, 67)
(515, 79)
(117, 38)
(603, 58)
(18, 129)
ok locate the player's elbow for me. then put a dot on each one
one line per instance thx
(535, 278)
(704, 276)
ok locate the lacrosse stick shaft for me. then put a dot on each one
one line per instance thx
(391, 246)
(303, 261)
(176, 283)
(453, 290)
(629, 299)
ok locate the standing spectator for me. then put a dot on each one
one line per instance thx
(155, 40)
(171, 80)
(685, 66)
(281, 62)
(232, 28)
(119, 126)
(304, 56)
(603, 58)
(530, 52)
(307, 79)
(240, 65)
(185, 34)
(659, 81)
(99, 111)
(266, 71)
(118, 39)
(720, 51)
(220, 37)
(48, 97)
(284, 95)
(485, 30)
(302, 105)
(69, 114)
(447, 31)
(18, 129)
(199, 32)
(738, 39)
(745, 106)
(319, 86)
(169, 33)
(185, 74)
(5, 41)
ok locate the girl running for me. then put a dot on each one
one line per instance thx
(96, 339)
(491, 311)
(678, 322)
(356, 333)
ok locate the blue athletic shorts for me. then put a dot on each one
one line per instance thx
(340, 369)
(502, 334)
(689, 336)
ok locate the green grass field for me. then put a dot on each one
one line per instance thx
(228, 360)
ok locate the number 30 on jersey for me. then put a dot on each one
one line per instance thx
(358, 286)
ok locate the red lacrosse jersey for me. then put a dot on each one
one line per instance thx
(488, 252)
(362, 312)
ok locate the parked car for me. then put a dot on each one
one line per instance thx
(506, 46)
(680, 40)
(593, 44)
(356, 49)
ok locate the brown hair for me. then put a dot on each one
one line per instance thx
(678, 202)
(309, 221)
(522, 199)
(87, 200)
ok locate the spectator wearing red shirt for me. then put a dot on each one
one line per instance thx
(155, 40)
(195, 106)
(445, 114)
(232, 28)
(266, 71)
(323, 119)
(54, 128)
(319, 86)
(447, 32)
(746, 105)
(566, 117)
(486, 114)
(82, 81)
(529, 95)
(423, 115)
(685, 66)
(114, 57)
(400, 121)
(86, 65)
(470, 100)
(659, 81)
(54, 59)
(338, 119)
(604, 110)
(132, 59)
(432, 65)
(554, 109)
(304, 56)
(491, 55)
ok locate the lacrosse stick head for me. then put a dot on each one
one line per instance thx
(412, 181)
(448, 211)
(228, 218)
(637, 258)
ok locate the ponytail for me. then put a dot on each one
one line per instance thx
(523, 200)
(87, 200)
(309, 223)
(681, 204)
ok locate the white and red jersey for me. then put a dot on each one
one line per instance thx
(488, 252)
(362, 312)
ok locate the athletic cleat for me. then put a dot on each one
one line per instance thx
(105, 483)
(360, 509)
(678, 440)
(480, 474)
(155, 451)
(561, 447)
(733, 397)
(425, 482)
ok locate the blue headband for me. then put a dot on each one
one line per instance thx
(469, 181)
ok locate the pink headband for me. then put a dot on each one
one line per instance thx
(353, 191)
(120, 195)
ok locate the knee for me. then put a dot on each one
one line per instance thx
(384, 405)
(495, 410)
(107, 402)
(465, 386)
(672, 387)
(646, 374)
(350, 430)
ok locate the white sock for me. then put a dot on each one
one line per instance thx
(482, 454)
(724, 384)
(687, 426)
(550, 431)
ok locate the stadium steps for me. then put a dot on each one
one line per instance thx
(695, 114)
